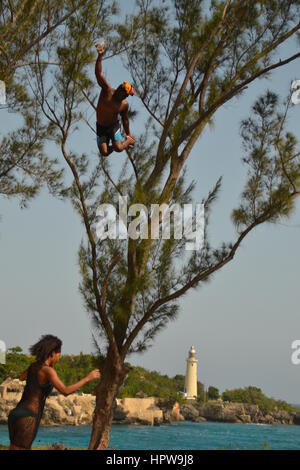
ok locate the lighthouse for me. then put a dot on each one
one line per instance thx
(190, 387)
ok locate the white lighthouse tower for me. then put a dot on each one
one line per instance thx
(190, 387)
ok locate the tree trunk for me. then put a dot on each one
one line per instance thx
(111, 379)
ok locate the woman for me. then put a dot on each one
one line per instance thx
(24, 419)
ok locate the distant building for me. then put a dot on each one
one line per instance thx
(190, 387)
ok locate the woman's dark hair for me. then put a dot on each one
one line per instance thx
(45, 346)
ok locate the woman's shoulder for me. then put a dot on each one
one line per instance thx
(44, 375)
(45, 367)
(40, 365)
(47, 370)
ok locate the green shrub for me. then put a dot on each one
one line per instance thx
(255, 396)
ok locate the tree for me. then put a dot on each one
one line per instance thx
(25, 27)
(186, 63)
(24, 166)
(213, 393)
(15, 350)
(200, 392)
(24, 24)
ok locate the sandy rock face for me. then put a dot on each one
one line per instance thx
(243, 413)
(70, 410)
(74, 409)
(77, 409)
(138, 411)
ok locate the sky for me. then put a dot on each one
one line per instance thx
(242, 323)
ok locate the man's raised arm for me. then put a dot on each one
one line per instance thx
(98, 68)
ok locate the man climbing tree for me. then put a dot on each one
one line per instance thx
(111, 103)
(187, 61)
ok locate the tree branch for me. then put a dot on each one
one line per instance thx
(198, 278)
(104, 286)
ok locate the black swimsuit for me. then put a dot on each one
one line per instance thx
(105, 134)
(24, 419)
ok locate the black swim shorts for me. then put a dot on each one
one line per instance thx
(107, 133)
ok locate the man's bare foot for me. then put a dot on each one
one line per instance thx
(131, 141)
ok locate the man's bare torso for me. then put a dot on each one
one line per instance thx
(108, 109)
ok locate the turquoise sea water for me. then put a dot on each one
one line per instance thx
(177, 436)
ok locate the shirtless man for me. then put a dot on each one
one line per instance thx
(111, 103)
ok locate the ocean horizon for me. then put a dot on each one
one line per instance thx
(185, 435)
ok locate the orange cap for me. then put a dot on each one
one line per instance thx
(128, 88)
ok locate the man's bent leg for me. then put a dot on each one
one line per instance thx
(105, 150)
(102, 146)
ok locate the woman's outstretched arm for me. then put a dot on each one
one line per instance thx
(68, 389)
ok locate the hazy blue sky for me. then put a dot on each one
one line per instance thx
(242, 323)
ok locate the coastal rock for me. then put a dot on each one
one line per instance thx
(176, 413)
(189, 412)
(270, 419)
(173, 414)
(59, 410)
(212, 411)
(230, 412)
(244, 418)
(70, 410)
(11, 389)
(200, 419)
(244, 413)
(253, 411)
(138, 411)
(282, 417)
(78, 408)
(296, 418)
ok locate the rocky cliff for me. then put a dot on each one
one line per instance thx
(243, 413)
(77, 409)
